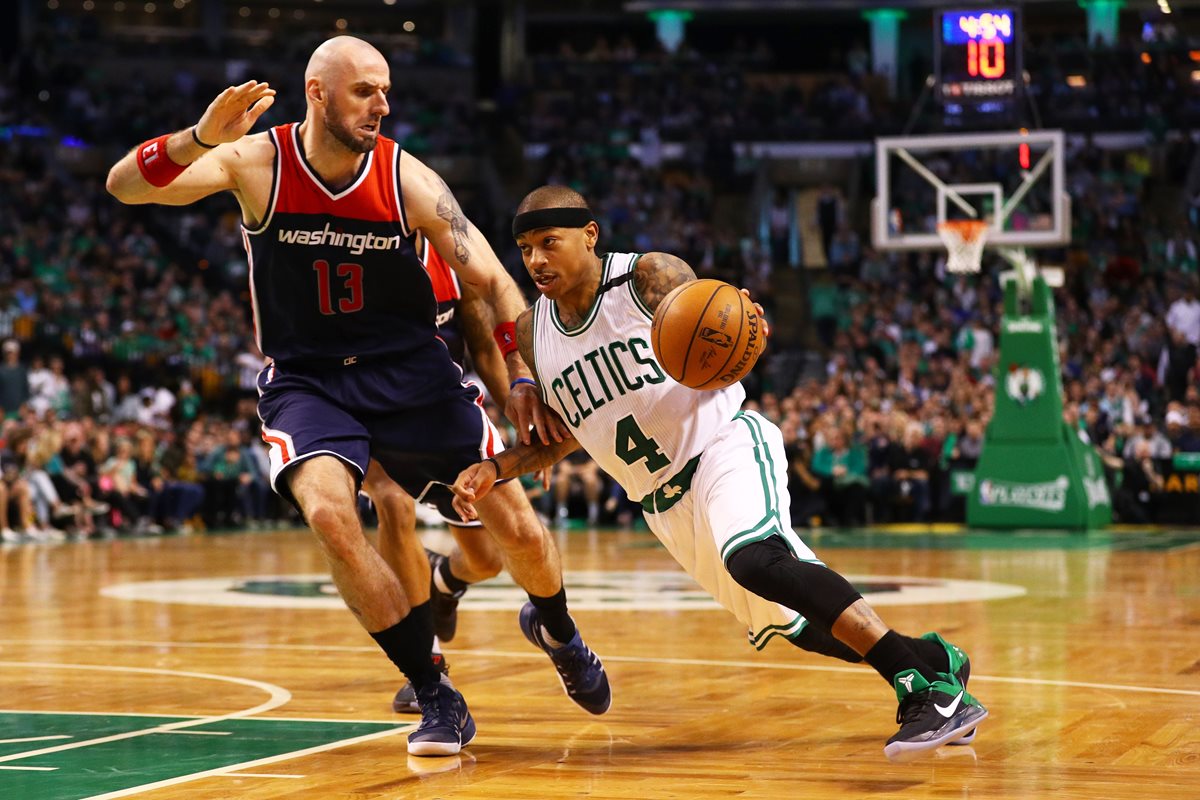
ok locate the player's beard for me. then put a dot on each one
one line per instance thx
(344, 134)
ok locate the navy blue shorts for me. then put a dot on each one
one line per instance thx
(422, 428)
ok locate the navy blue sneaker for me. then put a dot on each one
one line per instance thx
(579, 669)
(446, 725)
(405, 701)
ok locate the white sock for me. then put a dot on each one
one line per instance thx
(440, 582)
(550, 640)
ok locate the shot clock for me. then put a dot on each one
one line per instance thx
(978, 55)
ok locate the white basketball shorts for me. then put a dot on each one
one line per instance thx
(738, 495)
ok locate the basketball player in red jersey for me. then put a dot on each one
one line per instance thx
(475, 557)
(347, 314)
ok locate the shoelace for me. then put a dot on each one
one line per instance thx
(571, 662)
(913, 706)
(431, 707)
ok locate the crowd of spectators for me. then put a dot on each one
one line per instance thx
(127, 378)
(649, 95)
(1141, 82)
(911, 352)
(909, 380)
(132, 463)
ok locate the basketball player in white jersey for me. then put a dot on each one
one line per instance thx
(712, 479)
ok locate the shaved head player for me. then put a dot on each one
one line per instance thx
(345, 310)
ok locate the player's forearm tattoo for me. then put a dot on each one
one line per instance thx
(525, 339)
(525, 458)
(657, 274)
(449, 210)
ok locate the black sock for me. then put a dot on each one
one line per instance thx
(931, 653)
(554, 616)
(891, 655)
(409, 644)
(822, 642)
(453, 584)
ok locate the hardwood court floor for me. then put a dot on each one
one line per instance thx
(1086, 656)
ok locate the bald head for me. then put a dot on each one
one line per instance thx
(551, 197)
(346, 85)
(342, 55)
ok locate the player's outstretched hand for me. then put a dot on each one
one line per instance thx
(234, 112)
(472, 484)
(525, 409)
(761, 314)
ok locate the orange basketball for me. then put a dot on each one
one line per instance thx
(706, 334)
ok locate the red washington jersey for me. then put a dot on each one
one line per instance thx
(333, 273)
(448, 293)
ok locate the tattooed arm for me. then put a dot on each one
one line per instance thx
(430, 208)
(525, 339)
(485, 355)
(477, 480)
(656, 274)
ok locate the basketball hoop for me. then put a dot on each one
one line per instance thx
(964, 240)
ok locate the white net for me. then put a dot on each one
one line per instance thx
(964, 240)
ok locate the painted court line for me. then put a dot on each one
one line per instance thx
(223, 771)
(99, 713)
(199, 733)
(30, 769)
(193, 716)
(35, 739)
(533, 655)
(277, 697)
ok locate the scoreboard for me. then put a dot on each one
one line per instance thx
(978, 55)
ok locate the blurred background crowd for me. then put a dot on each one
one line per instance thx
(128, 361)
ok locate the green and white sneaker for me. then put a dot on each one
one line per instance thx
(960, 668)
(930, 715)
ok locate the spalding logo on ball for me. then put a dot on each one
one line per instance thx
(706, 334)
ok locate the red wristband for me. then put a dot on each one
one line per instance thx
(506, 337)
(155, 165)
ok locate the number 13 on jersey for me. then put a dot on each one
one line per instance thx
(352, 282)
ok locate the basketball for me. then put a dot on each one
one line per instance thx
(706, 334)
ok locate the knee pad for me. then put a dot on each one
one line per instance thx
(770, 570)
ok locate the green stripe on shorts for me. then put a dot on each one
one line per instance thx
(754, 421)
(789, 631)
(762, 530)
(770, 521)
(764, 474)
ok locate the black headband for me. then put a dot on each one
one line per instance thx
(551, 218)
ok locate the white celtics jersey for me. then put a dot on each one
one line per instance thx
(639, 425)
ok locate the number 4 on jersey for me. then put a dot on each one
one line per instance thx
(633, 446)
